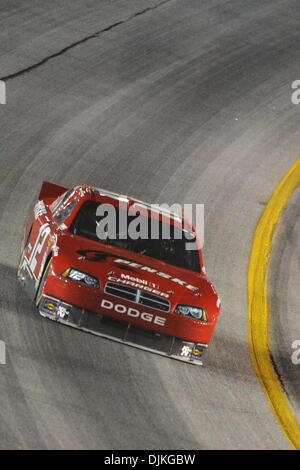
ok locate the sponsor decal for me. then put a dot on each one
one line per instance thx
(140, 284)
(54, 307)
(186, 349)
(134, 313)
(156, 272)
(128, 264)
(50, 306)
(198, 351)
(191, 350)
(140, 281)
(62, 312)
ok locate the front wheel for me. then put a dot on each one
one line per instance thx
(41, 284)
(22, 265)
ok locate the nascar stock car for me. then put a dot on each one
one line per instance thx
(149, 293)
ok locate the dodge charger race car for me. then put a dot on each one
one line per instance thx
(147, 292)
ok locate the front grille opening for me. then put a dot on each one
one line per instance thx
(159, 306)
(137, 296)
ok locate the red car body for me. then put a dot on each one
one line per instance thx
(126, 296)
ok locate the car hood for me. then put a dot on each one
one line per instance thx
(112, 264)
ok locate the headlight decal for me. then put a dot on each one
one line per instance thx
(81, 277)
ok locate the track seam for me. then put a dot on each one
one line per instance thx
(258, 305)
(81, 41)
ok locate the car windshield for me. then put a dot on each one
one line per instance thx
(137, 233)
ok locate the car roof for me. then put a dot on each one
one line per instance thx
(130, 201)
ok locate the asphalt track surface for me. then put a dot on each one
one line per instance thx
(175, 101)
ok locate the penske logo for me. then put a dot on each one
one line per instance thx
(133, 312)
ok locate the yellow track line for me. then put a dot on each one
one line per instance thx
(258, 305)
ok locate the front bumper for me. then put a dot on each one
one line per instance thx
(121, 331)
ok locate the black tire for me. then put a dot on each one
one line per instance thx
(23, 254)
(42, 283)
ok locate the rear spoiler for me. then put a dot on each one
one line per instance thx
(50, 190)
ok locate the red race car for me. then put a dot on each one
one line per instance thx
(150, 293)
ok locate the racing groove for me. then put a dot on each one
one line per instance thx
(187, 102)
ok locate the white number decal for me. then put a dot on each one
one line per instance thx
(38, 246)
